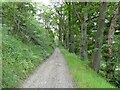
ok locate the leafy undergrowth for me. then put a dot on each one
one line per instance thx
(20, 59)
(0, 55)
(83, 75)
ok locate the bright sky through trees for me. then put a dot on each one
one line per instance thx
(45, 2)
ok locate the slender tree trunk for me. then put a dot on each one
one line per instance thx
(81, 41)
(99, 38)
(64, 34)
(64, 39)
(67, 40)
(83, 49)
(70, 31)
(69, 25)
(72, 36)
(60, 25)
(83, 29)
(60, 32)
(110, 65)
(72, 42)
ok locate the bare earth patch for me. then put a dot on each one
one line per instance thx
(51, 74)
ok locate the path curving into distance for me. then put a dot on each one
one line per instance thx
(53, 73)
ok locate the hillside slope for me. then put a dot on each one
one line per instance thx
(21, 58)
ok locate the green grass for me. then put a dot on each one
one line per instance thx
(83, 75)
(20, 59)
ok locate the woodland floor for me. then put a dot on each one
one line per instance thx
(51, 74)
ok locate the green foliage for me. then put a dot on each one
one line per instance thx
(19, 58)
(0, 55)
(116, 79)
(26, 43)
(84, 76)
(92, 9)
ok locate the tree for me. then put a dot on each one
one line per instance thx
(78, 33)
(110, 63)
(99, 37)
(71, 35)
(83, 29)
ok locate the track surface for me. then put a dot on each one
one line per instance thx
(51, 74)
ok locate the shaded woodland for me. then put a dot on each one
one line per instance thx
(92, 31)
(30, 30)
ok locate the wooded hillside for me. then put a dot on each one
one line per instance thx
(25, 43)
(31, 31)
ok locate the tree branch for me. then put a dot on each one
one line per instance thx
(92, 18)
(76, 13)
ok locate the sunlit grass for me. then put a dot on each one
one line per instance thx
(83, 75)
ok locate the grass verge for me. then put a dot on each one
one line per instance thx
(83, 75)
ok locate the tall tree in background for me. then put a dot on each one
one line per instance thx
(99, 37)
(78, 28)
(112, 28)
(84, 33)
(60, 25)
(83, 29)
(71, 36)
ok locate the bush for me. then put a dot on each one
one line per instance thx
(20, 59)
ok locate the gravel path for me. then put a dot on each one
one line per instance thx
(51, 74)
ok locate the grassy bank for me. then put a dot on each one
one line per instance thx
(20, 59)
(83, 75)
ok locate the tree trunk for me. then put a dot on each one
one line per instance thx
(64, 33)
(71, 48)
(60, 25)
(83, 25)
(99, 38)
(110, 65)
(60, 32)
(64, 38)
(83, 46)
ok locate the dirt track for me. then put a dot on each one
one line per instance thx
(51, 74)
